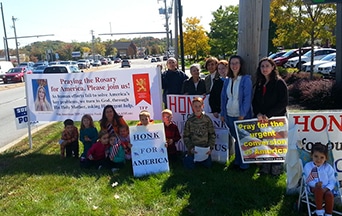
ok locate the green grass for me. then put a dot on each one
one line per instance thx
(37, 182)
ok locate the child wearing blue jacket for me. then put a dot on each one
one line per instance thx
(88, 134)
(116, 154)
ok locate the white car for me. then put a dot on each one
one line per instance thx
(326, 68)
(328, 58)
(318, 54)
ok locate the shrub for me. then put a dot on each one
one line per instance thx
(313, 94)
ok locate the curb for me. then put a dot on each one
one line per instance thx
(33, 131)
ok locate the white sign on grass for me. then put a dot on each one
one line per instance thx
(56, 97)
(149, 154)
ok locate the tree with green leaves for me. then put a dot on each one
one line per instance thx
(195, 39)
(224, 31)
(298, 23)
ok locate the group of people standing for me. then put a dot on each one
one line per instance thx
(232, 95)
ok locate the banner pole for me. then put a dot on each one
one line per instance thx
(28, 114)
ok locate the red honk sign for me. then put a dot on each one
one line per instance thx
(141, 88)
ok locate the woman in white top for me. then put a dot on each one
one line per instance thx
(236, 100)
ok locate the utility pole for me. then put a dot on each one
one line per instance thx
(16, 41)
(92, 44)
(5, 36)
(265, 23)
(167, 28)
(338, 70)
(176, 29)
(249, 41)
(180, 14)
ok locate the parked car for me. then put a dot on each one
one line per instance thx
(39, 69)
(277, 54)
(97, 63)
(26, 64)
(4, 67)
(104, 61)
(62, 69)
(109, 61)
(117, 60)
(328, 58)
(39, 64)
(145, 57)
(65, 62)
(280, 61)
(158, 59)
(165, 58)
(153, 60)
(317, 53)
(83, 63)
(327, 68)
(16, 74)
(54, 63)
(125, 63)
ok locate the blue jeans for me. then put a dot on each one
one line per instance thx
(238, 159)
(189, 163)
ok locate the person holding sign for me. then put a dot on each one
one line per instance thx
(320, 177)
(144, 118)
(199, 136)
(270, 99)
(111, 120)
(236, 101)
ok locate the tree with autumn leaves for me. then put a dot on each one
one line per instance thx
(195, 39)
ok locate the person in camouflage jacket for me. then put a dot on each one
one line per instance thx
(198, 131)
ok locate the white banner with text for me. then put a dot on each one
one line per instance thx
(309, 128)
(56, 97)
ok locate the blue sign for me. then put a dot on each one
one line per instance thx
(21, 118)
(76, 54)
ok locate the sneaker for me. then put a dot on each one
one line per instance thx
(115, 170)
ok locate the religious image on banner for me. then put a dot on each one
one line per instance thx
(262, 142)
(149, 154)
(42, 101)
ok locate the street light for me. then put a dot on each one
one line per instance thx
(16, 41)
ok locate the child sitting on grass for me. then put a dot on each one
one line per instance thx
(96, 156)
(125, 141)
(69, 140)
(116, 154)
